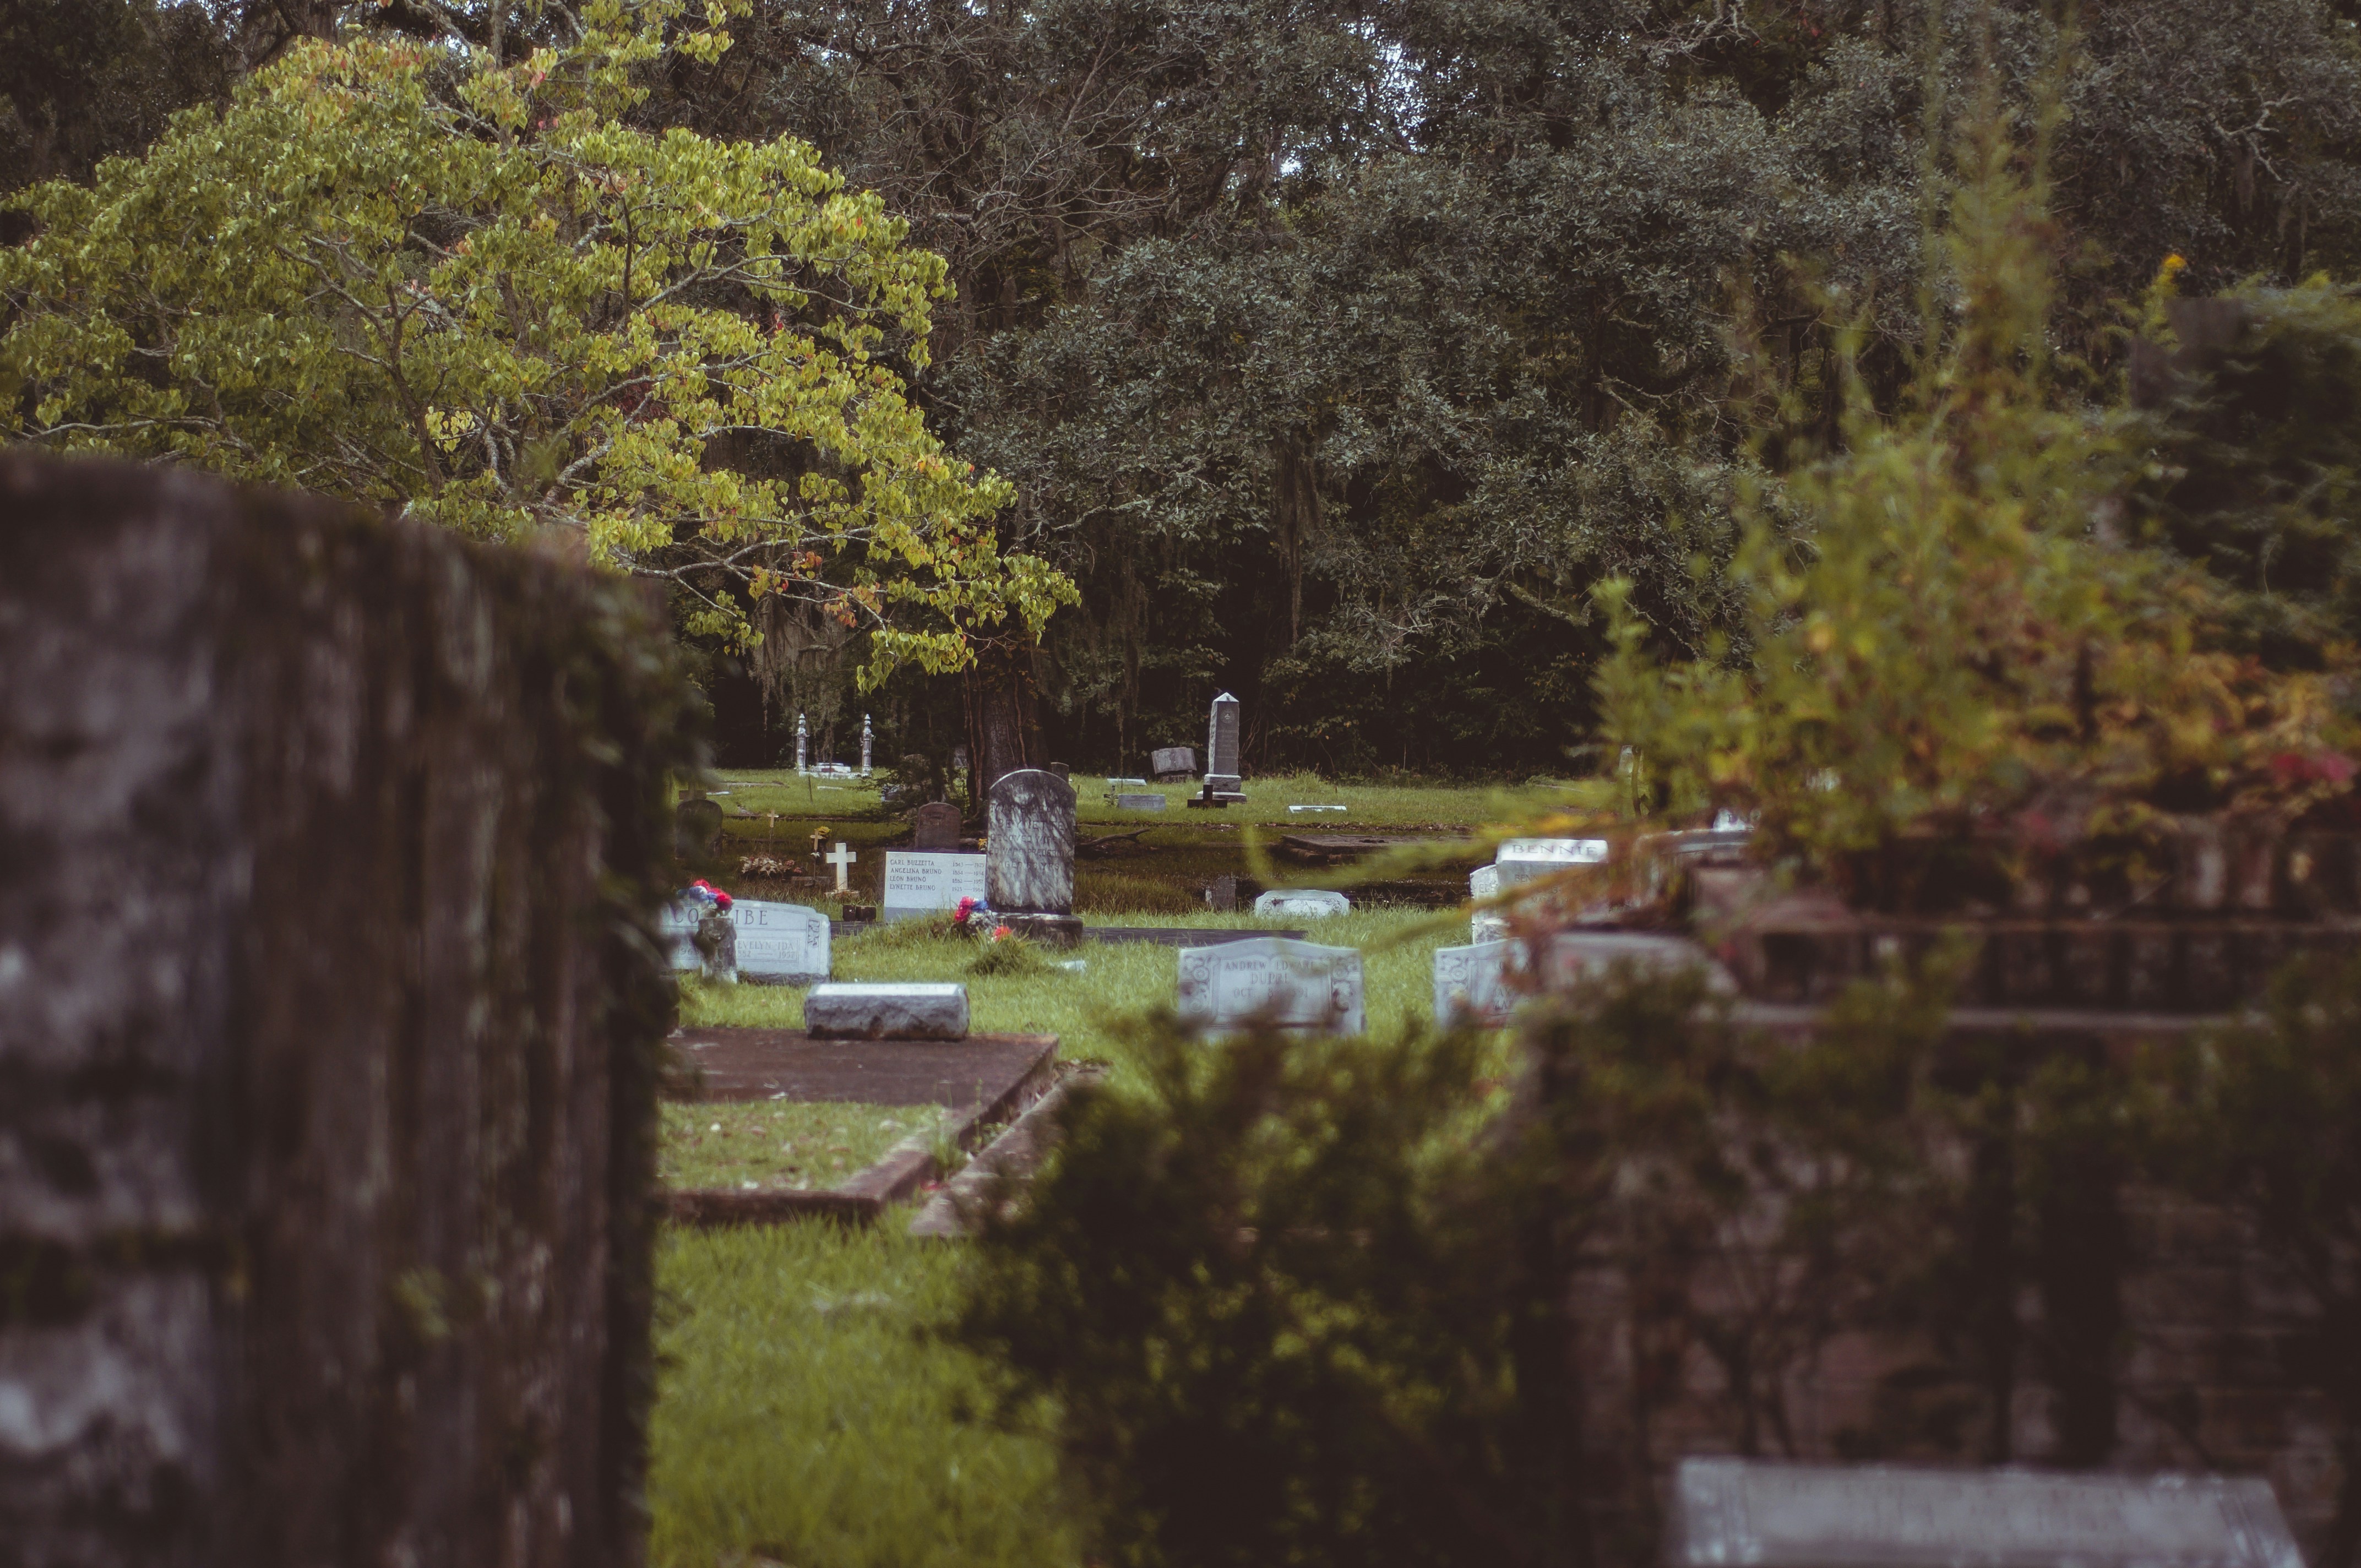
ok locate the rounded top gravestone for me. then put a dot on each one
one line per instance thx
(1029, 867)
(936, 827)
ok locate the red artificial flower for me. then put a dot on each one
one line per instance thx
(2317, 767)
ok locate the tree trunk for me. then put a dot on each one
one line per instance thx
(329, 1016)
(1004, 725)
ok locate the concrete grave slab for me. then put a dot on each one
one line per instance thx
(875, 1010)
(1302, 904)
(1879, 1516)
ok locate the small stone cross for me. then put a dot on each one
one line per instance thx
(841, 859)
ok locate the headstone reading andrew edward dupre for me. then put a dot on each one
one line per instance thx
(1173, 763)
(780, 944)
(1471, 983)
(1879, 1516)
(1221, 775)
(935, 826)
(1272, 981)
(1302, 904)
(1031, 864)
(921, 883)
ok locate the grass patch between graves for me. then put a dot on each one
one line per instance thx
(778, 1142)
(806, 1414)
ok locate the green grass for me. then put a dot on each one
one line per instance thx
(778, 1142)
(806, 1419)
(805, 1414)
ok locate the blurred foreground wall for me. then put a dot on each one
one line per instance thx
(327, 1021)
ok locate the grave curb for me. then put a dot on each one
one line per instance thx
(867, 1193)
(1020, 1146)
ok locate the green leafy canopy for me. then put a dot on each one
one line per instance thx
(408, 274)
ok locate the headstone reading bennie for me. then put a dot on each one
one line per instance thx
(1879, 1516)
(919, 884)
(1029, 867)
(780, 944)
(1302, 904)
(1529, 860)
(1272, 981)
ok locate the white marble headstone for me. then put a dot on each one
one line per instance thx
(1302, 904)
(1287, 984)
(1530, 860)
(919, 884)
(1471, 982)
(780, 944)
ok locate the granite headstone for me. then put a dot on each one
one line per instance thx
(1471, 982)
(1275, 981)
(1031, 867)
(1173, 763)
(1221, 775)
(935, 826)
(1139, 803)
(780, 944)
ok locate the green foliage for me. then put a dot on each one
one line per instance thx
(2257, 471)
(413, 275)
(1956, 641)
(1245, 1304)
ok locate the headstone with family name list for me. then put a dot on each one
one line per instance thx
(780, 944)
(1779, 1514)
(1272, 981)
(919, 883)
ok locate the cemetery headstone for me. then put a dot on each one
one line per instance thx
(935, 826)
(1029, 867)
(1530, 860)
(1169, 762)
(1139, 803)
(1221, 895)
(886, 1011)
(1119, 782)
(1289, 904)
(1879, 1516)
(1574, 957)
(780, 944)
(1311, 811)
(1222, 776)
(1062, 771)
(919, 884)
(1486, 925)
(716, 942)
(1471, 983)
(867, 738)
(676, 925)
(697, 828)
(803, 745)
(1272, 981)
(842, 858)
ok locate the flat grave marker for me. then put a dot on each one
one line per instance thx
(1139, 803)
(1287, 984)
(780, 944)
(887, 1010)
(1303, 810)
(1300, 903)
(921, 883)
(1877, 1516)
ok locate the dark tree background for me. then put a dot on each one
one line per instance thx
(1337, 348)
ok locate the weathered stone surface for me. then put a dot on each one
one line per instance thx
(1471, 982)
(886, 1011)
(1801, 1516)
(1270, 981)
(328, 991)
(1173, 763)
(1030, 865)
(1138, 802)
(936, 827)
(1302, 904)
(1221, 746)
(1530, 860)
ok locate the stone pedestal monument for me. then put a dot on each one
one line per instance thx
(1221, 778)
(1029, 858)
(803, 745)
